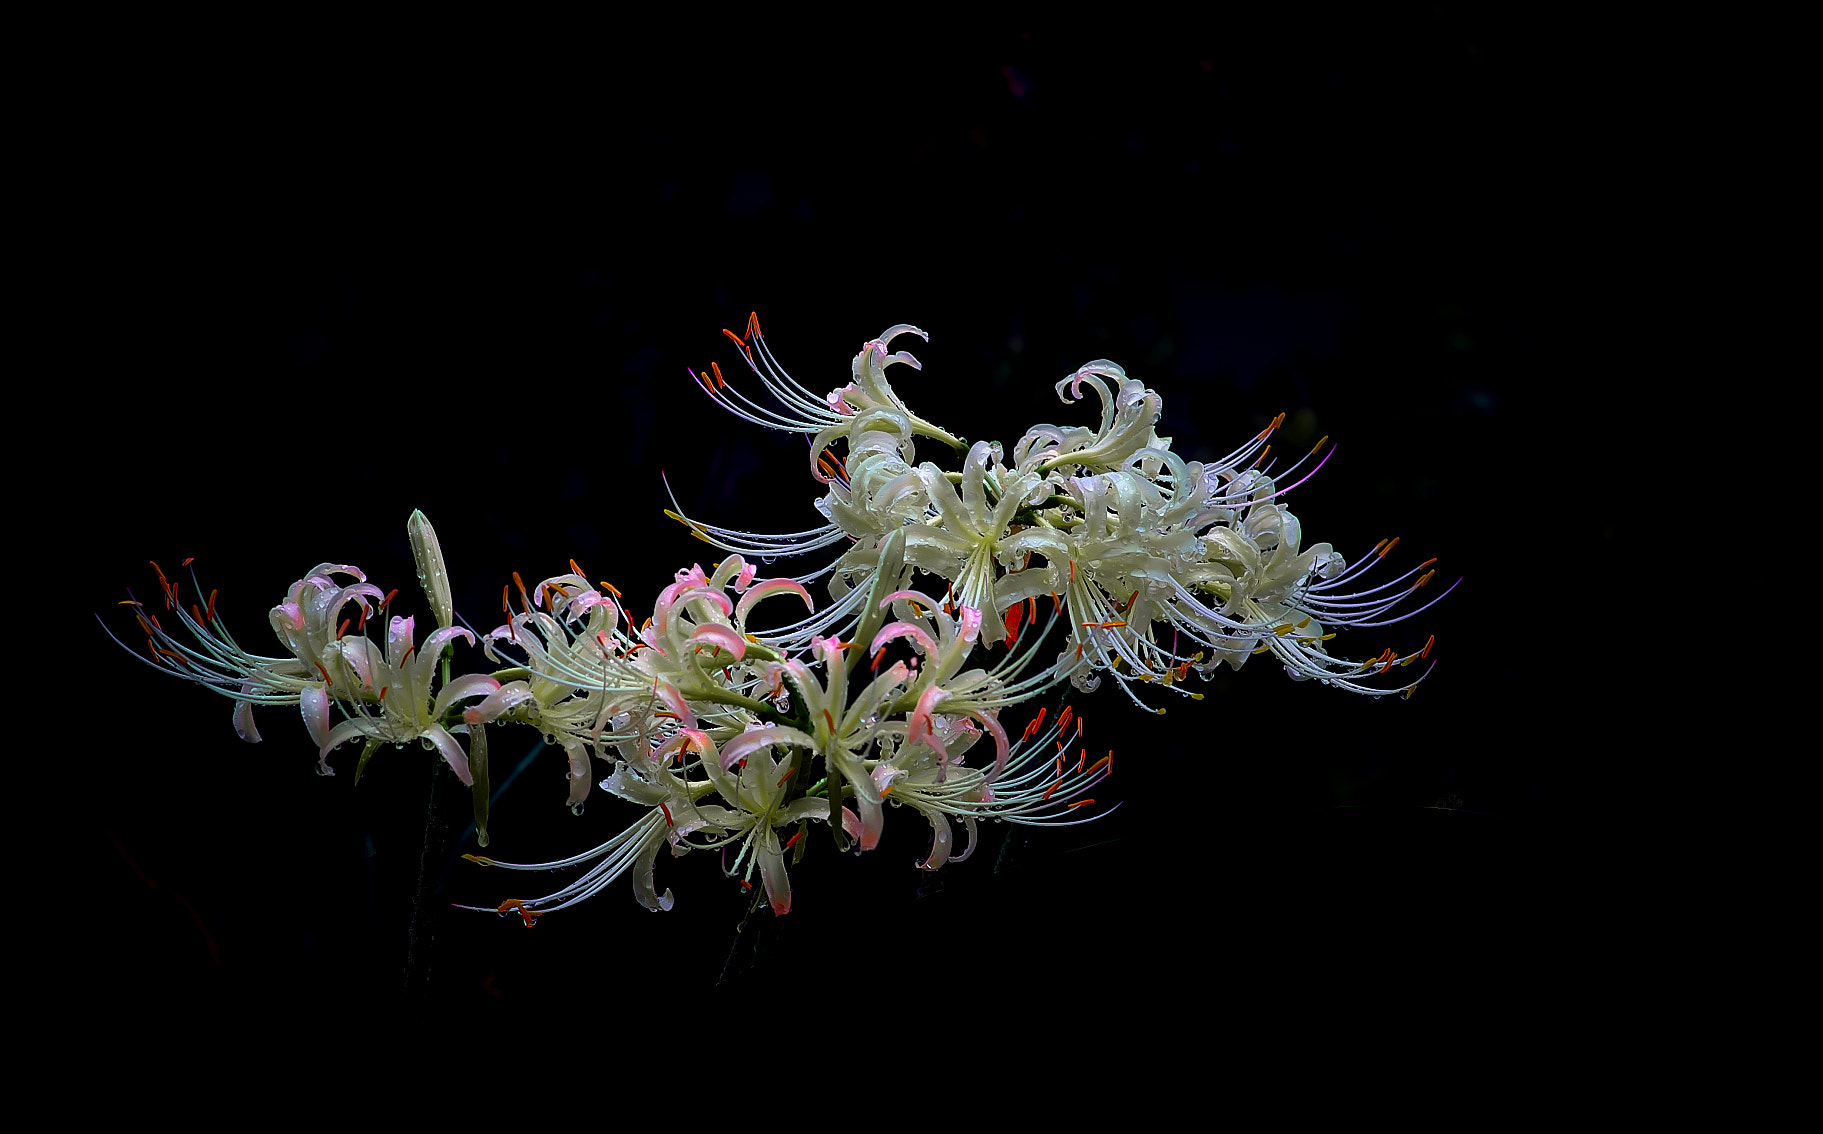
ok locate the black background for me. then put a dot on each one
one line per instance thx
(340, 289)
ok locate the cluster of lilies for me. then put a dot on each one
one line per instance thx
(731, 737)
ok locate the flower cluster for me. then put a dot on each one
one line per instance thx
(1098, 543)
(1165, 566)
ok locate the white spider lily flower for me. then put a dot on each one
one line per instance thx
(1128, 414)
(1034, 787)
(309, 624)
(404, 709)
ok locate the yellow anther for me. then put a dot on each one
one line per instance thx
(1196, 696)
(1304, 623)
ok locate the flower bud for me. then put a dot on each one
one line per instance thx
(432, 575)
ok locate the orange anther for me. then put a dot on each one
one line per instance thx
(1262, 456)
(520, 583)
(1079, 803)
(1395, 543)
(1056, 603)
(1319, 444)
(514, 905)
(1426, 651)
(669, 822)
(886, 791)
(383, 690)
(409, 651)
(789, 772)
(793, 840)
(1423, 579)
(736, 339)
(1045, 798)
(211, 616)
(720, 382)
(879, 655)
(831, 720)
(1096, 767)
(1426, 563)
(188, 561)
(197, 611)
(387, 601)
(342, 629)
(1072, 570)
(324, 672)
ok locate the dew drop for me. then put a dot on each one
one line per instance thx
(576, 810)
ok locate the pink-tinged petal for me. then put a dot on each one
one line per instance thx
(940, 841)
(721, 637)
(578, 605)
(687, 738)
(243, 717)
(772, 871)
(904, 630)
(434, 644)
(748, 743)
(919, 726)
(918, 597)
(675, 702)
(579, 771)
(766, 589)
(745, 578)
(708, 594)
(315, 705)
(452, 753)
(868, 825)
(468, 685)
(1001, 748)
(499, 702)
(288, 614)
(398, 640)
